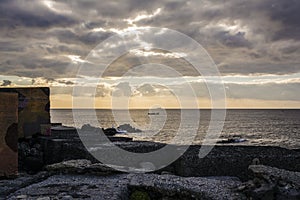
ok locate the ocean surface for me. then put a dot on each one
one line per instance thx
(258, 127)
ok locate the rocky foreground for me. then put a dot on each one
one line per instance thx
(80, 179)
(62, 168)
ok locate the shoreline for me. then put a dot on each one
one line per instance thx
(61, 167)
(223, 160)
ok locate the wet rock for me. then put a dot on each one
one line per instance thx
(129, 128)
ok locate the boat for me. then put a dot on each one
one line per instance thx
(232, 140)
(153, 113)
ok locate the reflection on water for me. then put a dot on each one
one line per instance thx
(259, 127)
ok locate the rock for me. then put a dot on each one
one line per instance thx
(129, 186)
(272, 174)
(83, 167)
(139, 195)
(166, 173)
(129, 128)
(33, 164)
(21, 197)
(70, 166)
(12, 185)
(101, 169)
(30, 156)
(77, 187)
(266, 191)
(255, 161)
(271, 183)
(43, 198)
(67, 197)
(178, 188)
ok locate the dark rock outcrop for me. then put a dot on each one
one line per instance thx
(271, 183)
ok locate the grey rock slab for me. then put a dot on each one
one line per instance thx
(174, 187)
(12, 185)
(268, 173)
(77, 187)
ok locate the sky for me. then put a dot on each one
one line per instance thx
(254, 45)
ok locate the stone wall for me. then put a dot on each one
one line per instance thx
(8, 134)
(33, 109)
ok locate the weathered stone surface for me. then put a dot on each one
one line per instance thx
(77, 187)
(271, 183)
(174, 187)
(8, 134)
(128, 186)
(81, 167)
(70, 166)
(101, 169)
(272, 174)
(33, 109)
(9, 186)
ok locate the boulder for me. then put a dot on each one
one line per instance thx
(271, 183)
(70, 166)
(274, 175)
(82, 167)
(101, 169)
(152, 186)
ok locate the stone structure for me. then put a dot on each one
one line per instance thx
(8, 134)
(33, 109)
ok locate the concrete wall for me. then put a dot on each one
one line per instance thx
(33, 109)
(8, 134)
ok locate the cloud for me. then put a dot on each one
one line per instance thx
(284, 91)
(33, 14)
(122, 89)
(37, 38)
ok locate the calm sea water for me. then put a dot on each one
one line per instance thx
(258, 127)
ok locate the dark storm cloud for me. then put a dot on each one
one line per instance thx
(236, 40)
(30, 13)
(243, 37)
(286, 12)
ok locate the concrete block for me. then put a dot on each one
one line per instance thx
(33, 109)
(8, 134)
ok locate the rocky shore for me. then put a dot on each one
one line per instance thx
(62, 168)
(81, 179)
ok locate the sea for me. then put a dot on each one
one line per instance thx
(270, 127)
